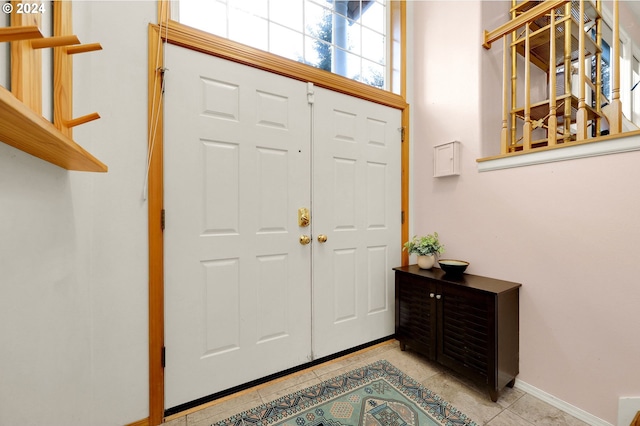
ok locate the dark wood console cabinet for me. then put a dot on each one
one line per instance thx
(467, 322)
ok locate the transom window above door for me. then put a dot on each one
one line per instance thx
(348, 38)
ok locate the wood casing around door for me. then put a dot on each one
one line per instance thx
(169, 31)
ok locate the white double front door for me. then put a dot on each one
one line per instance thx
(244, 150)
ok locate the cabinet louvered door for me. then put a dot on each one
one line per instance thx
(466, 329)
(416, 315)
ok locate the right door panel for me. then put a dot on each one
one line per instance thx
(356, 205)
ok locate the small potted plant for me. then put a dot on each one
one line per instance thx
(426, 247)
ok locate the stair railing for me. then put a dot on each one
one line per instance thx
(534, 30)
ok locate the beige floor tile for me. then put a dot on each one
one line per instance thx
(336, 367)
(474, 404)
(285, 387)
(343, 368)
(348, 363)
(224, 409)
(508, 396)
(180, 421)
(508, 418)
(540, 413)
(412, 364)
(428, 368)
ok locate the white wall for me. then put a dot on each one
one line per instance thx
(568, 231)
(73, 246)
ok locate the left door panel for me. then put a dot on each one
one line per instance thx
(237, 281)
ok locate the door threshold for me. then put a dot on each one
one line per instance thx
(216, 398)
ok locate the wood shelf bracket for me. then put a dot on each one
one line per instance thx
(21, 122)
(63, 71)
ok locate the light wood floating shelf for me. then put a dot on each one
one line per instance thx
(25, 130)
(20, 33)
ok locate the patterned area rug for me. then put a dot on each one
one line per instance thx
(376, 395)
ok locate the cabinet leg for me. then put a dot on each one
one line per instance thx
(511, 383)
(494, 394)
(403, 346)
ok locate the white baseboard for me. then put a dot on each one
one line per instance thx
(628, 406)
(561, 405)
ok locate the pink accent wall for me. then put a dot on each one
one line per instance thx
(568, 231)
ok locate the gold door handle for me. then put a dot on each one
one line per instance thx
(322, 238)
(305, 239)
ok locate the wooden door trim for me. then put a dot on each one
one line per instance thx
(181, 35)
(155, 225)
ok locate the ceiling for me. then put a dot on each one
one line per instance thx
(633, 6)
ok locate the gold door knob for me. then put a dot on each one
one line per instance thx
(322, 238)
(305, 239)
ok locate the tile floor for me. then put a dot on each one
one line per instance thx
(514, 407)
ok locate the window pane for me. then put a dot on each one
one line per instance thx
(206, 16)
(333, 35)
(373, 46)
(315, 17)
(287, 13)
(353, 68)
(606, 60)
(375, 17)
(354, 39)
(317, 53)
(285, 42)
(254, 7)
(373, 74)
(239, 22)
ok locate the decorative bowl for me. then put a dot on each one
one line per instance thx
(453, 266)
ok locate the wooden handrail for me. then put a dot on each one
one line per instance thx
(528, 16)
